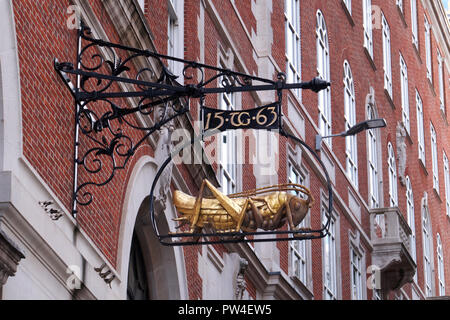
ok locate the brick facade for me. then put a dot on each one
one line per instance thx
(231, 30)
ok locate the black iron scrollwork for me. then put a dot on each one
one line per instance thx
(104, 121)
(104, 81)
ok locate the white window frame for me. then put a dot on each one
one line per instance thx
(348, 5)
(351, 142)
(298, 250)
(427, 253)
(367, 25)
(356, 272)
(415, 37)
(175, 35)
(330, 253)
(420, 129)
(441, 266)
(400, 5)
(373, 162)
(228, 149)
(410, 214)
(387, 63)
(447, 184)
(172, 33)
(142, 4)
(434, 158)
(428, 49)
(323, 70)
(441, 81)
(293, 43)
(404, 94)
(393, 196)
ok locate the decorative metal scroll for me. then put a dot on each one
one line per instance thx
(118, 106)
(103, 118)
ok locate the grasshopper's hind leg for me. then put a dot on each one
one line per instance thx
(228, 204)
(197, 208)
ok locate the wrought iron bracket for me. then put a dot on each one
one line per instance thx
(110, 94)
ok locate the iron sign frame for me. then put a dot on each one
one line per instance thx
(100, 75)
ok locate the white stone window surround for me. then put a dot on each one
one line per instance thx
(298, 250)
(351, 142)
(229, 143)
(323, 70)
(228, 149)
(141, 4)
(420, 129)
(441, 266)
(410, 213)
(434, 158)
(415, 37)
(293, 43)
(428, 49)
(400, 5)
(441, 81)
(373, 150)
(357, 266)
(404, 94)
(175, 35)
(367, 25)
(447, 183)
(387, 63)
(427, 251)
(348, 4)
(330, 253)
(392, 167)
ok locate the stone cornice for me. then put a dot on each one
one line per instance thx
(10, 256)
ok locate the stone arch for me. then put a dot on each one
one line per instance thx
(164, 265)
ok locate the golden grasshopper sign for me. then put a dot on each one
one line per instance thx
(266, 208)
(269, 208)
(101, 116)
(274, 210)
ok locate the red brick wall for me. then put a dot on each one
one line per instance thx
(46, 108)
(48, 111)
(48, 118)
(346, 43)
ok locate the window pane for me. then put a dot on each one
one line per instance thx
(323, 69)
(329, 259)
(404, 93)
(350, 121)
(293, 45)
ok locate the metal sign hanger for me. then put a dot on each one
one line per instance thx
(105, 75)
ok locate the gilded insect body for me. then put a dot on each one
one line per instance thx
(244, 211)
